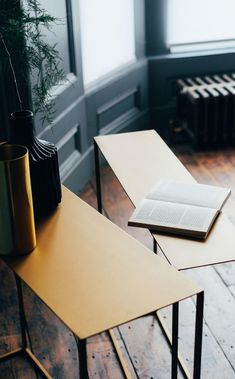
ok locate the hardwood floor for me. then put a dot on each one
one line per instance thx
(144, 348)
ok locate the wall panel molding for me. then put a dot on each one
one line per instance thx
(118, 105)
(118, 95)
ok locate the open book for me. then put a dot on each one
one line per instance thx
(180, 208)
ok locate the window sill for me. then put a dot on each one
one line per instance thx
(190, 54)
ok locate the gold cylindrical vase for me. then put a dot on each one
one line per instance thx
(17, 228)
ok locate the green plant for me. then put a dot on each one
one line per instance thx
(22, 45)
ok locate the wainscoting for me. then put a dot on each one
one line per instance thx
(118, 103)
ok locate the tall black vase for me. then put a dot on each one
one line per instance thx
(43, 160)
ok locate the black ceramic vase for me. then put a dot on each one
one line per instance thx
(43, 160)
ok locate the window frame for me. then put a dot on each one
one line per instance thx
(156, 19)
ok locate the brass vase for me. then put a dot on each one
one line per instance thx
(17, 229)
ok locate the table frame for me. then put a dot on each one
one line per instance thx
(81, 343)
(27, 352)
(32, 267)
(173, 343)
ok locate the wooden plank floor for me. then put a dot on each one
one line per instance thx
(144, 348)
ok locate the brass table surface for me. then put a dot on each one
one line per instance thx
(139, 160)
(93, 275)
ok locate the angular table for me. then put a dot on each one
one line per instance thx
(94, 276)
(139, 160)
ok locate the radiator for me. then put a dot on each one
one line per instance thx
(205, 106)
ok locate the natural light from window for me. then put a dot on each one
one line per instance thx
(107, 32)
(200, 21)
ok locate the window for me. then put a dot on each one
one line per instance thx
(107, 32)
(58, 35)
(200, 24)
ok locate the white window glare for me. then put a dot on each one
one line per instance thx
(107, 32)
(200, 22)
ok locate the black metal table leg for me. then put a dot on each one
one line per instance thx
(198, 335)
(97, 175)
(81, 345)
(24, 350)
(21, 312)
(175, 333)
(155, 246)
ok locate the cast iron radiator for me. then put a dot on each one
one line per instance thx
(205, 107)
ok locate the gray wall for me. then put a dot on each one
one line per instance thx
(118, 104)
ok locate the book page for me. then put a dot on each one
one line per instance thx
(180, 216)
(190, 193)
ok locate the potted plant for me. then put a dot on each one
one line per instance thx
(25, 54)
(26, 57)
